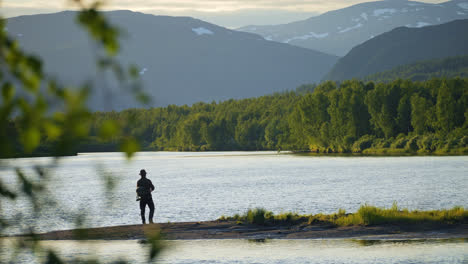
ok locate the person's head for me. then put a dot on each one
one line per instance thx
(143, 173)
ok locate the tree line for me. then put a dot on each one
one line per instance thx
(402, 116)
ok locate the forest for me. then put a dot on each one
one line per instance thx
(398, 117)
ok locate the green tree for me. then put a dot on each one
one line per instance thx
(420, 107)
(445, 109)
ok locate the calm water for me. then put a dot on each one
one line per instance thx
(204, 186)
(271, 251)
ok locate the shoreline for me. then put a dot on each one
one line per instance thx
(283, 152)
(233, 230)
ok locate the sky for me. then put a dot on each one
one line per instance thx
(227, 13)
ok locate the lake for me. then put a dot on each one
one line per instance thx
(268, 252)
(204, 186)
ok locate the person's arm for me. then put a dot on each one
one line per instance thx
(151, 186)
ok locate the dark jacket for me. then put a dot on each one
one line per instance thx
(147, 185)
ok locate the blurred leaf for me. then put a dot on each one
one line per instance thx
(108, 130)
(41, 105)
(52, 130)
(80, 232)
(8, 91)
(153, 236)
(100, 29)
(81, 128)
(133, 71)
(27, 186)
(41, 172)
(53, 258)
(24, 105)
(36, 65)
(143, 98)
(59, 116)
(5, 192)
(33, 82)
(129, 146)
(104, 63)
(30, 139)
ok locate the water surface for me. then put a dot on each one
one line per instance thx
(204, 186)
(270, 251)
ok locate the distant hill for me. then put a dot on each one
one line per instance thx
(182, 60)
(438, 68)
(337, 32)
(402, 46)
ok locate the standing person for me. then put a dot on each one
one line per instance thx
(144, 189)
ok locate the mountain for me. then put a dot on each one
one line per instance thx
(337, 32)
(182, 60)
(424, 70)
(402, 46)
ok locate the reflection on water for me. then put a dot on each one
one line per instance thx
(267, 251)
(370, 242)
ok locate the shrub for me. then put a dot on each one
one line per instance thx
(412, 144)
(363, 143)
(427, 143)
(381, 143)
(256, 216)
(400, 142)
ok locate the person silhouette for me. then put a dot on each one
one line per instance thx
(144, 189)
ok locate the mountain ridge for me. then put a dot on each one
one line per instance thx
(183, 60)
(402, 46)
(337, 31)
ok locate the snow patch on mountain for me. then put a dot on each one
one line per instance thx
(202, 31)
(382, 11)
(307, 36)
(463, 5)
(419, 25)
(350, 28)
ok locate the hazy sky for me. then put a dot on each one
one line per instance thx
(228, 13)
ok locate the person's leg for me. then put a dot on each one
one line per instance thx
(142, 210)
(151, 207)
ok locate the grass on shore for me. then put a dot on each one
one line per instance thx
(366, 215)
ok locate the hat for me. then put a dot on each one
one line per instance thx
(142, 172)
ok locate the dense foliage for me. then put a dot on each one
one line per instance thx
(401, 116)
(397, 117)
(450, 67)
(248, 124)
